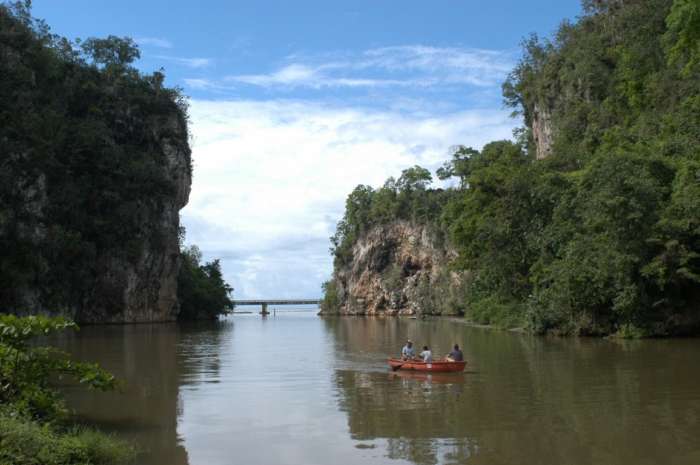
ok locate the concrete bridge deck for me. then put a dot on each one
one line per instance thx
(265, 302)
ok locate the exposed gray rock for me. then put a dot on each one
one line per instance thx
(399, 269)
(542, 131)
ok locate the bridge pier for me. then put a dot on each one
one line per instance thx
(264, 309)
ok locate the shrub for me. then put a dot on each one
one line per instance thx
(27, 442)
(26, 370)
(32, 409)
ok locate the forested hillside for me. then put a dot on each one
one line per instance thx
(589, 222)
(94, 168)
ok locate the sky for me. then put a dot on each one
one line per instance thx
(294, 103)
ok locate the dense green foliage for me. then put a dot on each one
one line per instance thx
(81, 159)
(407, 198)
(201, 289)
(31, 408)
(603, 234)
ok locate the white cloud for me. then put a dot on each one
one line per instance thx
(271, 178)
(188, 62)
(454, 65)
(201, 83)
(154, 41)
(408, 66)
(304, 76)
(292, 74)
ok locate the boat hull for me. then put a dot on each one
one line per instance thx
(440, 366)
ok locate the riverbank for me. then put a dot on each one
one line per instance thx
(29, 442)
(624, 332)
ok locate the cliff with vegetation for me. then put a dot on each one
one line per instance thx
(400, 268)
(94, 168)
(589, 222)
(391, 256)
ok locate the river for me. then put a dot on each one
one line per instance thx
(298, 389)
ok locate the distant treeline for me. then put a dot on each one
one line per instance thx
(589, 222)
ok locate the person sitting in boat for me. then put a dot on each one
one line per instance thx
(426, 355)
(408, 352)
(456, 355)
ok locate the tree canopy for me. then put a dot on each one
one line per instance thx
(202, 292)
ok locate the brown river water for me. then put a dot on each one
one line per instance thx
(298, 389)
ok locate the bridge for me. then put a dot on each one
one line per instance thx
(265, 302)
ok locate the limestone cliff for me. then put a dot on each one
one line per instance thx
(399, 268)
(133, 281)
(94, 168)
(143, 288)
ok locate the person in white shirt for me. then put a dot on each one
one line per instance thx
(427, 355)
(408, 352)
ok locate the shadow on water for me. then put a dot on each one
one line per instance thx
(155, 361)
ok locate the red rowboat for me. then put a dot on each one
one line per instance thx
(417, 365)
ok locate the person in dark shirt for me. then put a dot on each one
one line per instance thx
(456, 355)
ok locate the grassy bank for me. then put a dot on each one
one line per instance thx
(28, 442)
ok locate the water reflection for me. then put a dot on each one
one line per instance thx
(297, 389)
(414, 412)
(527, 399)
(155, 361)
(417, 413)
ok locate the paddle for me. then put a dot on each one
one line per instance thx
(394, 368)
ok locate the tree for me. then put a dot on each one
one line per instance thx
(111, 52)
(458, 166)
(357, 208)
(414, 178)
(202, 291)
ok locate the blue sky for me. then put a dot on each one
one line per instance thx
(295, 103)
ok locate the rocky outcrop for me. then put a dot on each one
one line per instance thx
(397, 269)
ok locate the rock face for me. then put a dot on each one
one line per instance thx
(397, 269)
(129, 283)
(94, 169)
(145, 289)
(542, 131)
